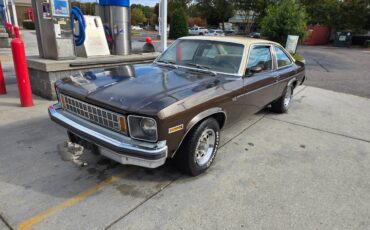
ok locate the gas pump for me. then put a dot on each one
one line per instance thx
(53, 28)
(116, 16)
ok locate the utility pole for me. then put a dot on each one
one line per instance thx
(14, 14)
(163, 23)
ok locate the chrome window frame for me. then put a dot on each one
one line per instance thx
(251, 47)
(286, 53)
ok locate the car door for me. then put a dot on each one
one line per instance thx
(285, 69)
(259, 89)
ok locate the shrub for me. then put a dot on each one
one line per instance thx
(179, 25)
(28, 24)
(286, 17)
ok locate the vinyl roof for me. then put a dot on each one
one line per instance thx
(233, 39)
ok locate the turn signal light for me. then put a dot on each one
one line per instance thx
(122, 124)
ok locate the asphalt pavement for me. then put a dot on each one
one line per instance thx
(340, 69)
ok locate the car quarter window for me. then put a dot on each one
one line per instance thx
(281, 57)
(260, 56)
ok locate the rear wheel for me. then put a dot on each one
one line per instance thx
(282, 104)
(199, 148)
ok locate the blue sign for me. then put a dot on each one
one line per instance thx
(61, 8)
(125, 3)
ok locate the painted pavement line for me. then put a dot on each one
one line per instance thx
(29, 223)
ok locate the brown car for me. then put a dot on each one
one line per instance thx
(175, 107)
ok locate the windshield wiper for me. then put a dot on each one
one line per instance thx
(202, 67)
(167, 63)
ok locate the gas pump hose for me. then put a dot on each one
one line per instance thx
(78, 16)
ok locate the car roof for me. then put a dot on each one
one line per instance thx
(233, 39)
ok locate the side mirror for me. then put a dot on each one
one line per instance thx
(253, 70)
(256, 69)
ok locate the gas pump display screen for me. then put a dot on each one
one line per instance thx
(61, 8)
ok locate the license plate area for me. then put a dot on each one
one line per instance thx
(85, 143)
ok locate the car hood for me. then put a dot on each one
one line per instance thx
(144, 89)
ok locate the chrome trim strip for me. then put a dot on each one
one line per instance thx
(111, 141)
(129, 160)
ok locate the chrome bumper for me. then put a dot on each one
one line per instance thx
(113, 145)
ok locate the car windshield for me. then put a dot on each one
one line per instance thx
(217, 56)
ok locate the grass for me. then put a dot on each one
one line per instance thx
(298, 57)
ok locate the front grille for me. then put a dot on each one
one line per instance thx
(99, 116)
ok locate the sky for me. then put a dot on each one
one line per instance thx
(142, 2)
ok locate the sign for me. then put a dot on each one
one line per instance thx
(61, 8)
(292, 43)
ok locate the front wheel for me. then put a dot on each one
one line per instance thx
(282, 104)
(199, 148)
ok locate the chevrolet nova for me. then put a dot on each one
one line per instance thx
(175, 107)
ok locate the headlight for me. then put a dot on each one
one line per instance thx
(142, 128)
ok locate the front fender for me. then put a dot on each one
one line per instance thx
(198, 118)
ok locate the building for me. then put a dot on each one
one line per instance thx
(21, 7)
(244, 22)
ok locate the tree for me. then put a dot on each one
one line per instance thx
(216, 11)
(284, 18)
(179, 27)
(323, 12)
(197, 21)
(353, 15)
(154, 19)
(248, 11)
(137, 16)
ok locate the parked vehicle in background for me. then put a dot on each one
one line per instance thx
(254, 35)
(215, 32)
(138, 28)
(198, 31)
(176, 106)
(229, 31)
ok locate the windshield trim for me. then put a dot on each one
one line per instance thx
(238, 73)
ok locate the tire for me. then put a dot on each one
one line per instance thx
(191, 157)
(201, 34)
(282, 104)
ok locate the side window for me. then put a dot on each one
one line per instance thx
(260, 56)
(282, 58)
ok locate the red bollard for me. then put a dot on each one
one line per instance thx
(21, 72)
(10, 27)
(16, 32)
(2, 81)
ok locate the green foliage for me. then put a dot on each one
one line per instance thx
(353, 15)
(297, 56)
(324, 12)
(28, 24)
(87, 8)
(215, 11)
(284, 18)
(179, 25)
(137, 16)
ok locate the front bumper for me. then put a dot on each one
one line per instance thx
(115, 146)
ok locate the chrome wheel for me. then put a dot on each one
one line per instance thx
(205, 147)
(287, 97)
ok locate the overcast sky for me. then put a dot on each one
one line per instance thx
(142, 2)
